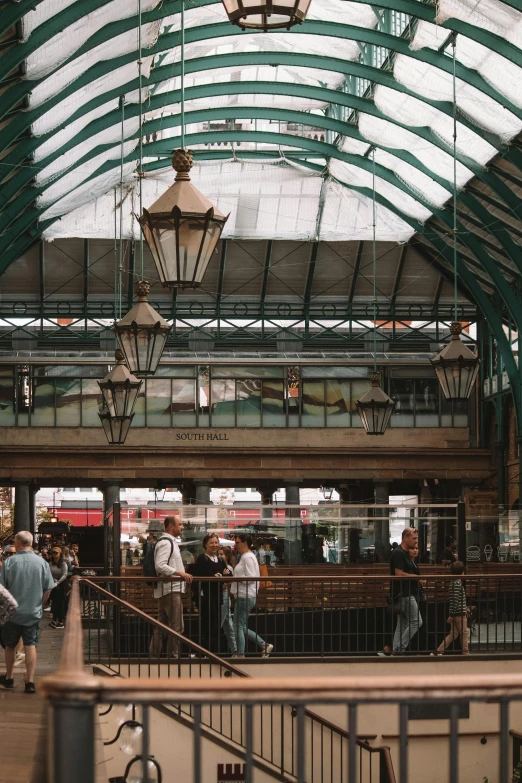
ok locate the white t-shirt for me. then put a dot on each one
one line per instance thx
(247, 567)
(166, 564)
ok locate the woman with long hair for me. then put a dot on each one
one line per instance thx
(209, 595)
(58, 568)
(245, 594)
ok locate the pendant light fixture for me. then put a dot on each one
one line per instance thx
(116, 427)
(266, 15)
(375, 407)
(182, 228)
(456, 366)
(120, 389)
(142, 334)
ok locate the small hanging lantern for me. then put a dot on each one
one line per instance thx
(456, 367)
(182, 229)
(120, 389)
(375, 408)
(142, 334)
(116, 427)
(266, 14)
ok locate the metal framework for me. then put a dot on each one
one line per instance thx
(489, 211)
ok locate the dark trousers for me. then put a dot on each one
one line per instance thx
(210, 614)
(58, 602)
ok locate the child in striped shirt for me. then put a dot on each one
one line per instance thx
(457, 612)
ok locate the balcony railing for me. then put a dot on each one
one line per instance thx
(74, 695)
(315, 616)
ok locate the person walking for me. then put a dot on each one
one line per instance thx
(245, 594)
(209, 595)
(168, 562)
(404, 591)
(59, 573)
(458, 612)
(28, 578)
(226, 607)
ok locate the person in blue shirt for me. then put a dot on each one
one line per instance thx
(28, 578)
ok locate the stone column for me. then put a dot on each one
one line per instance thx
(294, 531)
(111, 495)
(202, 489)
(382, 522)
(203, 520)
(350, 533)
(33, 489)
(22, 506)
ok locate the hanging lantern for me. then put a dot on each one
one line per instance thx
(266, 14)
(142, 334)
(182, 229)
(120, 389)
(328, 492)
(116, 427)
(375, 408)
(456, 367)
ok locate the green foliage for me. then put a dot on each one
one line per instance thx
(517, 775)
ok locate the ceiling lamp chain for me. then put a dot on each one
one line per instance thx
(182, 229)
(142, 334)
(266, 15)
(456, 366)
(375, 407)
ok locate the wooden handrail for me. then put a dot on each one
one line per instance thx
(320, 578)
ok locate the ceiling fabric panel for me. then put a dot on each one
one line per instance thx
(303, 176)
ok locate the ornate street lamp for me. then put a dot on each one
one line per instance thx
(266, 14)
(328, 492)
(116, 427)
(375, 408)
(120, 389)
(182, 229)
(142, 335)
(456, 367)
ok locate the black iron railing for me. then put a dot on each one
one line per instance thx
(74, 695)
(119, 639)
(334, 616)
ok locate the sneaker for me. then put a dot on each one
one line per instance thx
(53, 624)
(59, 625)
(436, 654)
(5, 682)
(29, 687)
(267, 649)
(47, 609)
(19, 658)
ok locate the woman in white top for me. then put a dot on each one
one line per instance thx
(245, 594)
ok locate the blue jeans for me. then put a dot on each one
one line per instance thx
(242, 609)
(227, 623)
(408, 623)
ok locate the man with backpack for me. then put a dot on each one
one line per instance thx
(168, 562)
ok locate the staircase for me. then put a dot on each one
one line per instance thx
(271, 732)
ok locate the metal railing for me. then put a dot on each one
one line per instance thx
(319, 616)
(73, 695)
(117, 640)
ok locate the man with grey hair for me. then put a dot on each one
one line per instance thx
(28, 578)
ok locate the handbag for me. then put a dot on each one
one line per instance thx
(263, 571)
(393, 607)
(8, 605)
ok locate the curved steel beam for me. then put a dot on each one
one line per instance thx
(14, 12)
(347, 32)
(22, 178)
(166, 146)
(23, 120)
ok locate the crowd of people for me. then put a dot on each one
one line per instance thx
(221, 604)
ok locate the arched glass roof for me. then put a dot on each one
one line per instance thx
(283, 124)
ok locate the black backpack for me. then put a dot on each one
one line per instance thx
(149, 566)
